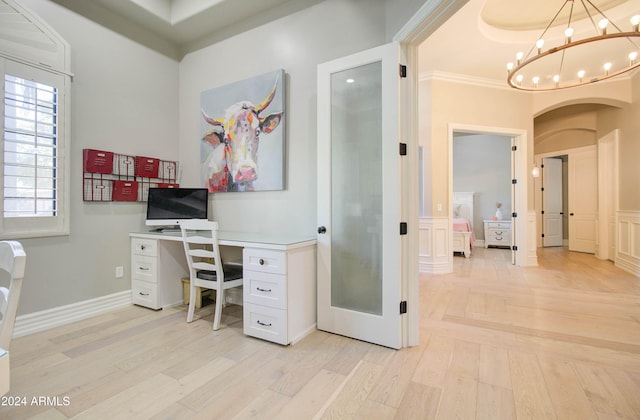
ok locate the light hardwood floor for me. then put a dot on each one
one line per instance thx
(497, 342)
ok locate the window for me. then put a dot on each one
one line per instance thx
(34, 173)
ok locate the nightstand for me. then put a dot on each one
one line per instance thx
(497, 233)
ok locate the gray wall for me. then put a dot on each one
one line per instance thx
(129, 99)
(124, 98)
(297, 44)
(482, 164)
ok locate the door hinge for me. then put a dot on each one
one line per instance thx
(542, 189)
(542, 235)
(403, 149)
(514, 148)
(514, 181)
(403, 71)
(403, 228)
(542, 212)
(514, 214)
(403, 307)
(514, 248)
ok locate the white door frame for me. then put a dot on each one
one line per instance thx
(423, 23)
(538, 193)
(519, 137)
(608, 188)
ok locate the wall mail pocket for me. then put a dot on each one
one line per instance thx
(125, 190)
(97, 161)
(147, 167)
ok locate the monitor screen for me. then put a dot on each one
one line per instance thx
(168, 206)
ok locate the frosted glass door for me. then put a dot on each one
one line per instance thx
(356, 189)
(358, 197)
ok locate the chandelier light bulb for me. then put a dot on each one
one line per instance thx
(635, 22)
(581, 74)
(607, 67)
(556, 79)
(509, 66)
(632, 57)
(535, 80)
(603, 25)
(519, 56)
(539, 44)
(568, 33)
(519, 78)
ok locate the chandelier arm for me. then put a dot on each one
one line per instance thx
(570, 14)
(549, 25)
(601, 13)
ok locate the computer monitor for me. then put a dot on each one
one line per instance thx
(169, 206)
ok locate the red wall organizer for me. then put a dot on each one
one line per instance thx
(109, 176)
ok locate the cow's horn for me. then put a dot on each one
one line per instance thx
(268, 99)
(211, 120)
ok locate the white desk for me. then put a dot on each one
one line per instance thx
(279, 279)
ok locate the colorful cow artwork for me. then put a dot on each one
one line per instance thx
(230, 145)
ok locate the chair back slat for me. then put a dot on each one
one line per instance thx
(13, 260)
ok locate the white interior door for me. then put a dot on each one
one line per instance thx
(359, 275)
(583, 200)
(552, 201)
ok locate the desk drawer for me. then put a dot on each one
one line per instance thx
(148, 247)
(265, 260)
(144, 268)
(145, 294)
(265, 289)
(266, 323)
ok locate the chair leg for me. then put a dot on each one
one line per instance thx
(192, 301)
(218, 312)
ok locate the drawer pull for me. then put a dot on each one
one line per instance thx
(142, 247)
(261, 261)
(143, 294)
(264, 324)
(259, 289)
(143, 268)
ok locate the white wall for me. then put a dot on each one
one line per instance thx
(124, 99)
(297, 44)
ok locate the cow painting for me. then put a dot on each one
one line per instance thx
(231, 143)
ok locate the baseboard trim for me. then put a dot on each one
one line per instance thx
(62, 315)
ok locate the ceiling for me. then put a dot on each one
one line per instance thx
(484, 35)
(475, 43)
(177, 27)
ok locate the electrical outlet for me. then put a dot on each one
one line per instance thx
(439, 206)
(119, 272)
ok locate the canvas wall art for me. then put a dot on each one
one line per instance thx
(242, 143)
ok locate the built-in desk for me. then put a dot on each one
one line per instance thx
(279, 279)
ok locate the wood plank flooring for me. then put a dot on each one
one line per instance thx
(559, 341)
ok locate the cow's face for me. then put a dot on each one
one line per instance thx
(241, 129)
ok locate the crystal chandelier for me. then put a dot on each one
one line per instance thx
(606, 52)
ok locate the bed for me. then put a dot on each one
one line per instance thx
(463, 236)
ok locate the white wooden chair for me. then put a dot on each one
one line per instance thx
(200, 239)
(12, 261)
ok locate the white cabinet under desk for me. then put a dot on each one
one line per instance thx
(279, 279)
(497, 233)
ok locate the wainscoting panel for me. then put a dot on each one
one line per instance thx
(628, 247)
(532, 240)
(435, 256)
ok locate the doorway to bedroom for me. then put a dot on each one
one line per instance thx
(483, 189)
